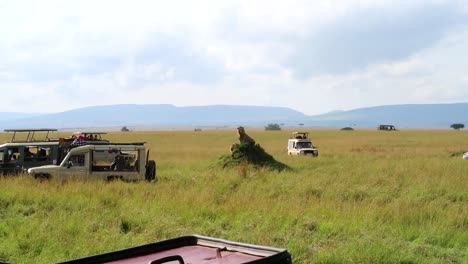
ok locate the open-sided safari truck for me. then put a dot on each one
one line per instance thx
(29, 148)
(108, 161)
(192, 249)
(300, 144)
(33, 147)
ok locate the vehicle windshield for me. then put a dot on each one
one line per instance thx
(300, 145)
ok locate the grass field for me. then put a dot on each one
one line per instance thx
(370, 197)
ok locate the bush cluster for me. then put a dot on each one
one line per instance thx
(274, 127)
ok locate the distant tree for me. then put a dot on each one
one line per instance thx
(124, 129)
(273, 127)
(301, 124)
(347, 129)
(457, 126)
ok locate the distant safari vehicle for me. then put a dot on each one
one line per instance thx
(126, 161)
(387, 128)
(193, 249)
(465, 155)
(300, 144)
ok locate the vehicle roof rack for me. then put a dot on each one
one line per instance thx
(114, 143)
(89, 132)
(31, 132)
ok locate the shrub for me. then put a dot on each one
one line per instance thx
(457, 126)
(347, 129)
(273, 127)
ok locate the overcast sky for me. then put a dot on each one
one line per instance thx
(312, 56)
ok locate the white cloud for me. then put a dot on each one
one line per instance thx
(80, 53)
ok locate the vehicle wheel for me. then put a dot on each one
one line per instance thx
(150, 173)
(316, 154)
(41, 176)
(114, 178)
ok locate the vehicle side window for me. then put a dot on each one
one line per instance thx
(33, 153)
(13, 154)
(30, 153)
(77, 160)
(2, 153)
(43, 153)
(115, 160)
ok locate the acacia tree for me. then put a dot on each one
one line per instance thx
(457, 126)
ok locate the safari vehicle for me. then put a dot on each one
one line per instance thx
(93, 138)
(33, 147)
(193, 249)
(25, 151)
(83, 138)
(387, 128)
(108, 161)
(300, 144)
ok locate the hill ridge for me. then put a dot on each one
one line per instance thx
(404, 115)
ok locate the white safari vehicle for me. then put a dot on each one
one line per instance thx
(300, 144)
(126, 161)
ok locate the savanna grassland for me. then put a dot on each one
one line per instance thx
(370, 197)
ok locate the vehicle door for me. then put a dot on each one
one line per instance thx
(12, 160)
(2, 155)
(76, 166)
(290, 146)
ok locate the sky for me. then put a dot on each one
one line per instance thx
(311, 56)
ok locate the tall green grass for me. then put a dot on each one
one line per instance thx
(370, 197)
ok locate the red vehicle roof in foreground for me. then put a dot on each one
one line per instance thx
(192, 249)
(194, 254)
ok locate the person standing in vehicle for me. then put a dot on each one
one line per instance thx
(118, 164)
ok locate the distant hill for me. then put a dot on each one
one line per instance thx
(411, 115)
(4, 116)
(158, 115)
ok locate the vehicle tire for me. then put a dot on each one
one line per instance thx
(150, 173)
(42, 176)
(315, 154)
(114, 178)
